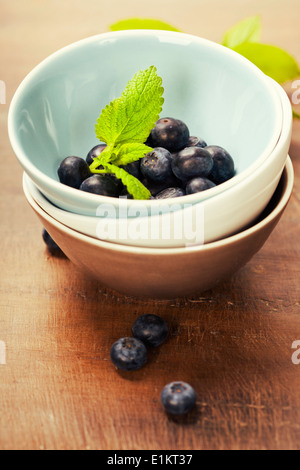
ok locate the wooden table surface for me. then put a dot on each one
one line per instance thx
(59, 389)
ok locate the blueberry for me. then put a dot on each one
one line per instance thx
(149, 142)
(196, 142)
(128, 353)
(125, 194)
(156, 187)
(156, 165)
(170, 193)
(223, 164)
(151, 329)
(191, 162)
(196, 185)
(170, 133)
(51, 244)
(178, 398)
(134, 169)
(95, 152)
(73, 171)
(103, 185)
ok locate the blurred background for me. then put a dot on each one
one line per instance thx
(30, 30)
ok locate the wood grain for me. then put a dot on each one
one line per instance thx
(58, 387)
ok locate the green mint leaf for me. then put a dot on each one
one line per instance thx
(273, 61)
(129, 153)
(132, 116)
(105, 157)
(134, 186)
(247, 30)
(142, 23)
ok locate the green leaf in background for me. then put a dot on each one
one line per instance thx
(247, 30)
(296, 115)
(273, 61)
(142, 23)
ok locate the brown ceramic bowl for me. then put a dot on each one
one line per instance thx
(168, 273)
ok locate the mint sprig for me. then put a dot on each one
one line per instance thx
(129, 153)
(125, 124)
(134, 186)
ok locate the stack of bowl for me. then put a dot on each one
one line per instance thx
(157, 248)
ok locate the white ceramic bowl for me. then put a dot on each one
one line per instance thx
(167, 273)
(207, 221)
(221, 96)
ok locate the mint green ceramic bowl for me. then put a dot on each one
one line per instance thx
(221, 96)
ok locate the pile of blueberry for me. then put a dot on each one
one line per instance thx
(178, 165)
(130, 353)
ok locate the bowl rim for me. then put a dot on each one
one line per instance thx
(55, 186)
(289, 183)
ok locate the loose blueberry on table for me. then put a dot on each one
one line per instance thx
(178, 398)
(50, 243)
(128, 354)
(151, 329)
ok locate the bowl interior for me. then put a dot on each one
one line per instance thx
(222, 97)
